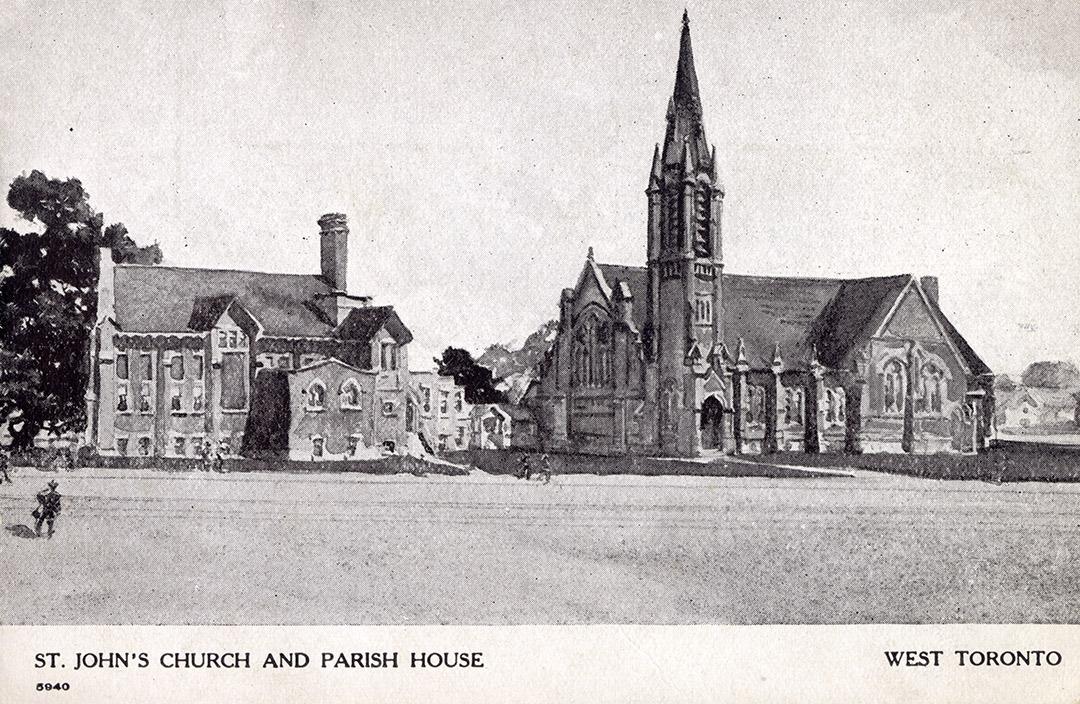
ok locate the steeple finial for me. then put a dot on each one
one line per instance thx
(657, 167)
(686, 85)
(685, 18)
(590, 255)
(684, 109)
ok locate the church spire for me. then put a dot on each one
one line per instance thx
(684, 110)
(686, 87)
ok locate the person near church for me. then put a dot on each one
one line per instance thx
(48, 508)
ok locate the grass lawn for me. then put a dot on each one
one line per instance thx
(148, 547)
(1008, 462)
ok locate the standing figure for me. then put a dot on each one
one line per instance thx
(48, 508)
(524, 470)
(219, 456)
(207, 453)
(545, 467)
(4, 462)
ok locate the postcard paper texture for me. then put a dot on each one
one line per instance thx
(539, 351)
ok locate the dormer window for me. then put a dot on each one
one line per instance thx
(388, 356)
(315, 397)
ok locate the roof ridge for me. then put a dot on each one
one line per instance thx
(823, 279)
(224, 271)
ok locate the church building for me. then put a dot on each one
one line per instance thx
(680, 358)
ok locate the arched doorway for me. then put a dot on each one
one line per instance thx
(712, 424)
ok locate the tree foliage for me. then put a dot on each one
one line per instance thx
(1051, 375)
(48, 279)
(477, 379)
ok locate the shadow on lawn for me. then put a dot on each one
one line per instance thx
(1005, 462)
(21, 531)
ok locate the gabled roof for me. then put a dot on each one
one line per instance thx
(636, 279)
(329, 361)
(171, 299)
(801, 315)
(362, 323)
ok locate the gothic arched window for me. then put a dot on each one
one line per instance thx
(893, 384)
(835, 400)
(349, 394)
(755, 405)
(934, 388)
(593, 358)
(316, 395)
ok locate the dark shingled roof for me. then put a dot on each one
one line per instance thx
(833, 315)
(167, 299)
(362, 323)
(207, 310)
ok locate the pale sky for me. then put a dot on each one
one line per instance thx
(480, 148)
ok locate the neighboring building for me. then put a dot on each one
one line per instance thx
(491, 428)
(679, 357)
(442, 414)
(1034, 410)
(176, 351)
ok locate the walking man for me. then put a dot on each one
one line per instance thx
(524, 470)
(545, 467)
(48, 508)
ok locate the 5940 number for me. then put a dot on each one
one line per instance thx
(53, 686)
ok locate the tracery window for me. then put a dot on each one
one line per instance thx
(316, 396)
(934, 388)
(835, 402)
(349, 394)
(755, 405)
(593, 355)
(894, 385)
(793, 406)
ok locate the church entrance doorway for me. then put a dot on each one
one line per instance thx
(712, 424)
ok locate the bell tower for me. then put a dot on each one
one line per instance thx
(685, 261)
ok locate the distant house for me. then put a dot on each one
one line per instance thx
(441, 412)
(1032, 409)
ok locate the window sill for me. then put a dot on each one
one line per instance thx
(234, 411)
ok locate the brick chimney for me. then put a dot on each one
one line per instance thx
(334, 249)
(106, 288)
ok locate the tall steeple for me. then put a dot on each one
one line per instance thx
(684, 322)
(684, 110)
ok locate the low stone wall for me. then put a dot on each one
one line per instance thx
(509, 462)
(391, 464)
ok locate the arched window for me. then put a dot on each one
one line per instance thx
(316, 395)
(934, 388)
(835, 401)
(755, 405)
(593, 359)
(349, 394)
(893, 385)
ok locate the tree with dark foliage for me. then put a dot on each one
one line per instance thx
(48, 280)
(477, 380)
(1051, 375)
